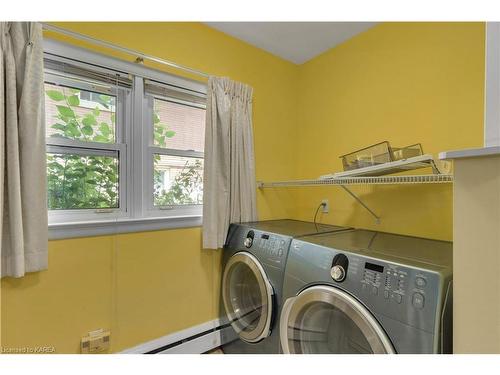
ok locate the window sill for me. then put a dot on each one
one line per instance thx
(59, 231)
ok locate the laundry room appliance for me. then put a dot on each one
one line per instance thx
(253, 268)
(362, 291)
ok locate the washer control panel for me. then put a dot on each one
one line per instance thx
(273, 244)
(268, 246)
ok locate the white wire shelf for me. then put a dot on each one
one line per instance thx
(376, 180)
(374, 175)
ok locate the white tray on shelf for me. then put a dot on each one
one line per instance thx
(423, 161)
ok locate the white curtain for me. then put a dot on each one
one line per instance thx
(229, 170)
(23, 196)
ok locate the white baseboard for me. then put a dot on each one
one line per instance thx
(198, 345)
(202, 344)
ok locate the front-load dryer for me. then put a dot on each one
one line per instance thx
(253, 263)
(362, 291)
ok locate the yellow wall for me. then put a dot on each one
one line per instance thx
(139, 285)
(146, 285)
(401, 82)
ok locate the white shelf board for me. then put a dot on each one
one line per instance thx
(392, 167)
(470, 153)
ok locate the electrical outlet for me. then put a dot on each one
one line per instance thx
(95, 341)
(326, 206)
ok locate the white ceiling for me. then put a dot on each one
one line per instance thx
(297, 42)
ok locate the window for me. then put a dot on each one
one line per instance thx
(86, 146)
(119, 144)
(176, 135)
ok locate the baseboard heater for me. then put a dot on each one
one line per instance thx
(194, 340)
(202, 342)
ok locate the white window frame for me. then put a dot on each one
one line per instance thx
(150, 150)
(119, 148)
(135, 148)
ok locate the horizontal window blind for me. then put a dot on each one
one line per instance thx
(82, 71)
(174, 93)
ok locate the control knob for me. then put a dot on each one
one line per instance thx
(249, 240)
(338, 271)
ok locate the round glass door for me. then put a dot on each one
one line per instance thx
(247, 296)
(326, 320)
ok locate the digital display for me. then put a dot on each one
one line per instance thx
(374, 267)
(265, 236)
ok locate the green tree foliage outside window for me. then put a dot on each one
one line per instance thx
(81, 181)
(187, 185)
(89, 181)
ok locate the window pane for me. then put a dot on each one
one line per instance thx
(178, 126)
(79, 182)
(177, 180)
(79, 114)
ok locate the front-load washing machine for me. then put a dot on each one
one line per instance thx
(362, 291)
(253, 267)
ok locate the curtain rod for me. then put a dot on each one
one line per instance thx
(140, 55)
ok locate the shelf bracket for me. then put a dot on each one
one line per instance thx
(435, 169)
(377, 218)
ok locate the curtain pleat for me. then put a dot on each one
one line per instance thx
(229, 171)
(23, 219)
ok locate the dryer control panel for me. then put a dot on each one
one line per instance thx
(404, 293)
(395, 284)
(410, 294)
